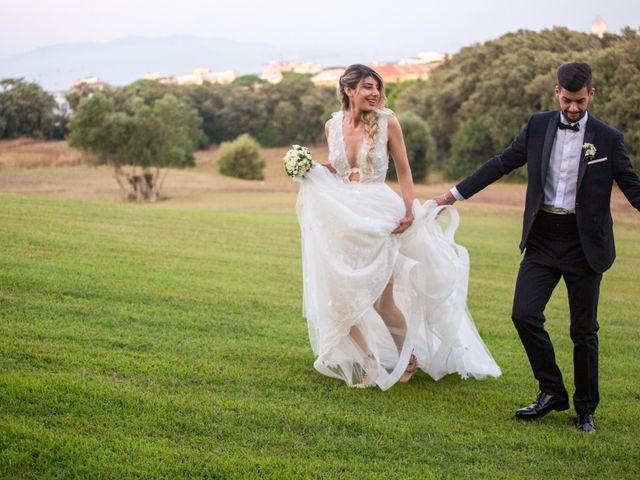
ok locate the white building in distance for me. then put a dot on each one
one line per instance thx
(204, 75)
(422, 58)
(599, 27)
(274, 71)
(327, 78)
(92, 83)
(158, 77)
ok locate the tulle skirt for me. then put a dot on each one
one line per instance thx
(349, 257)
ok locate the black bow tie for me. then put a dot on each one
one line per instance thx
(575, 127)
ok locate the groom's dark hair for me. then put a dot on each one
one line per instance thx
(574, 76)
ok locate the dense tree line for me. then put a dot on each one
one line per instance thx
(292, 111)
(470, 108)
(478, 101)
(27, 110)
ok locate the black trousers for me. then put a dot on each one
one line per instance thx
(553, 251)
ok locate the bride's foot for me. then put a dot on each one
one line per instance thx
(367, 382)
(412, 368)
(370, 368)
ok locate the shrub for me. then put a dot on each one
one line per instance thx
(241, 158)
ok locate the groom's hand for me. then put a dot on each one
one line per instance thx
(445, 199)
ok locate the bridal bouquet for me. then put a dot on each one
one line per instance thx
(298, 161)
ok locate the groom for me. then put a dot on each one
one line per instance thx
(572, 161)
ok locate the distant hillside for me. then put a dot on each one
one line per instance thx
(122, 61)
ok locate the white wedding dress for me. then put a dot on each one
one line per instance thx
(349, 255)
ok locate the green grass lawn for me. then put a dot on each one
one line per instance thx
(154, 342)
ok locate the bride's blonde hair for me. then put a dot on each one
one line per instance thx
(351, 78)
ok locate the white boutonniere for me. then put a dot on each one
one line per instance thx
(589, 151)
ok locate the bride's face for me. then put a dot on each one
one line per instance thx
(366, 96)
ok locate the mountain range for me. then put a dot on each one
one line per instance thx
(122, 61)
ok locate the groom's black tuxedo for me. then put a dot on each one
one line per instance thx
(593, 215)
(576, 247)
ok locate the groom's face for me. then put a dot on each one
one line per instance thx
(574, 104)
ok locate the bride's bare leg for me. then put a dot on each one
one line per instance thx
(392, 316)
(397, 325)
(359, 340)
(370, 362)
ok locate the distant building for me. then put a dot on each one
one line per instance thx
(307, 68)
(88, 83)
(423, 58)
(599, 27)
(395, 73)
(204, 75)
(62, 105)
(158, 77)
(327, 78)
(273, 72)
(413, 68)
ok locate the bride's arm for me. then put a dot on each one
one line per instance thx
(398, 151)
(328, 166)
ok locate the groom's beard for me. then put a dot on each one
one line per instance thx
(573, 118)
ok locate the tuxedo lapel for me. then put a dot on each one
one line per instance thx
(589, 135)
(549, 137)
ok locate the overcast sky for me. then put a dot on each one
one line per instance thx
(389, 28)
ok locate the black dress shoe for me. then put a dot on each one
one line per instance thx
(584, 422)
(542, 405)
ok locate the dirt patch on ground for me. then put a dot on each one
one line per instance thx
(53, 168)
(24, 153)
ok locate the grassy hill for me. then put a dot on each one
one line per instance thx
(166, 341)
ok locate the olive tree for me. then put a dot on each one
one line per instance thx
(139, 141)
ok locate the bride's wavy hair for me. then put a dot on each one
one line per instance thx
(352, 76)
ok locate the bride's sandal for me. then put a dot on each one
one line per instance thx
(412, 368)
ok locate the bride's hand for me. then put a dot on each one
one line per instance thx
(404, 224)
(329, 167)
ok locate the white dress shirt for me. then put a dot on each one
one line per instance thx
(562, 175)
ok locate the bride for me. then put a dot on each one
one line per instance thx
(385, 285)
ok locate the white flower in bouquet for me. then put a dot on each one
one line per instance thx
(298, 161)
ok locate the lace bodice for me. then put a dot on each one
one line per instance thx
(374, 173)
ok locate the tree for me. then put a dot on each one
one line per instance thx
(85, 90)
(285, 119)
(248, 81)
(209, 100)
(143, 139)
(25, 109)
(470, 142)
(494, 87)
(416, 139)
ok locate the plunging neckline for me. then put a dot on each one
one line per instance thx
(344, 146)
